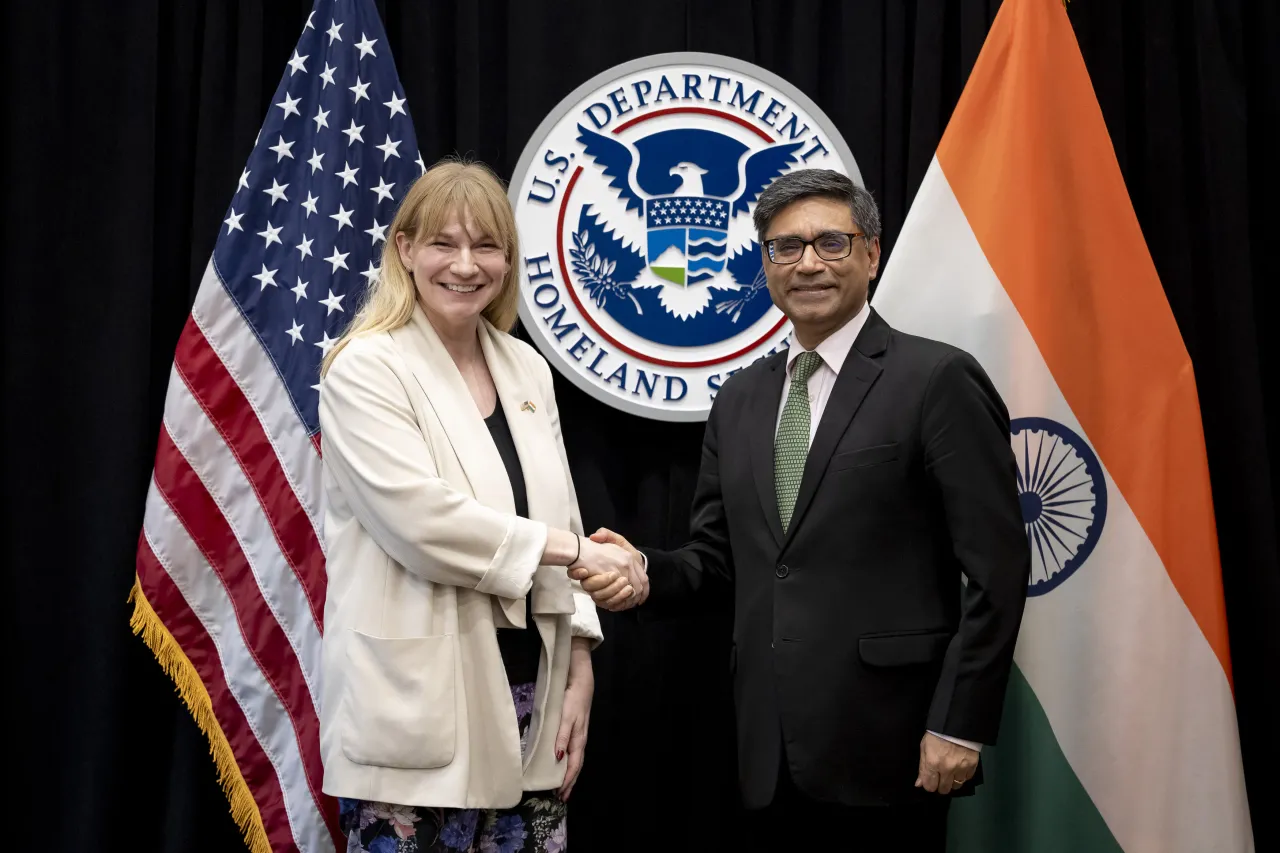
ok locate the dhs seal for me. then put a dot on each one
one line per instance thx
(641, 275)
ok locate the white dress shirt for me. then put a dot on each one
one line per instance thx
(833, 351)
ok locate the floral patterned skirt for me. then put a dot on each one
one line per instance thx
(536, 825)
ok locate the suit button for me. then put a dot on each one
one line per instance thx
(782, 571)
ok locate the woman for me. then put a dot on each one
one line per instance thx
(456, 662)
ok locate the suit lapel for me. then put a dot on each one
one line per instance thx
(761, 422)
(860, 371)
(453, 406)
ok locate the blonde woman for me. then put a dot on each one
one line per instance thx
(457, 675)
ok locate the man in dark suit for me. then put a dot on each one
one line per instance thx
(847, 487)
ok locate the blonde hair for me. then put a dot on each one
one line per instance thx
(448, 188)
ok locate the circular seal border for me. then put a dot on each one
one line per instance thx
(538, 138)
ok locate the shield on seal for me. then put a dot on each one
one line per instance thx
(687, 237)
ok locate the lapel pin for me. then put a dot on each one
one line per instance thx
(527, 406)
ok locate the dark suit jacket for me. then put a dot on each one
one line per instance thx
(853, 633)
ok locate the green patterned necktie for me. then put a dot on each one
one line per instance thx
(791, 444)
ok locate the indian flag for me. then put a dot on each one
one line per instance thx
(1021, 247)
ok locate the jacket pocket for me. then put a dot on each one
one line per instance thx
(864, 456)
(903, 649)
(399, 701)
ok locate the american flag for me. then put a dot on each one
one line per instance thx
(231, 579)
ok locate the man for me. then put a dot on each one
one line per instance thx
(847, 486)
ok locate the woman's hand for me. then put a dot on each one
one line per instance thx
(606, 562)
(576, 715)
(611, 567)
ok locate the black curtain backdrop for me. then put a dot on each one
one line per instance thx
(128, 125)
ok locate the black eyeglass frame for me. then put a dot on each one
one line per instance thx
(804, 244)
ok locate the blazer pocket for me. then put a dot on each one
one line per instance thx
(399, 701)
(864, 456)
(903, 649)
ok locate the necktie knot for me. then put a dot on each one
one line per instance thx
(806, 365)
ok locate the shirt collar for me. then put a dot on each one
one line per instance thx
(835, 349)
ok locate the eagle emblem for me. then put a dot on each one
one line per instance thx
(678, 240)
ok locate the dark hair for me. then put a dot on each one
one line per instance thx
(826, 183)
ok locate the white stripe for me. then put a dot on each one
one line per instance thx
(1138, 701)
(208, 600)
(200, 442)
(242, 353)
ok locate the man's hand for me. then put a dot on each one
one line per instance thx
(608, 568)
(639, 577)
(601, 587)
(944, 765)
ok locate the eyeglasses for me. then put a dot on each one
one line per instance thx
(831, 246)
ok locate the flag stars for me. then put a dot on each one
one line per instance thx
(282, 149)
(353, 133)
(338, 259)
(335, 31)
(314, 162)
(310, 204)
(377, 232)
(348, 174)
(383, 189)
(309, 25)
(276, 192)
(360, 90)
(388, 148)
(298, 63)
(327, 76)
(371, 274)
(295, 333)
(365, 46)
(321, 119)
(266, 277)
(304, 249)
(299, 290)
(396, 105)
(244, 181)
(342, 217)
(333, 303)
(290, 105)
(325, 345)
(271, 235)
(421, 165)
(233, 221)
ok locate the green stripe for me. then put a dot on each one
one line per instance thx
(1031, 799)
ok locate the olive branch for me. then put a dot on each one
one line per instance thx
(737, 304)
(595, 273)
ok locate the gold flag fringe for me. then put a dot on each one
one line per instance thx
(178, 667)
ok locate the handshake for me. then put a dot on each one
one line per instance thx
(611, 571)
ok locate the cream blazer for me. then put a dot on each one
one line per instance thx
(426, 558)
